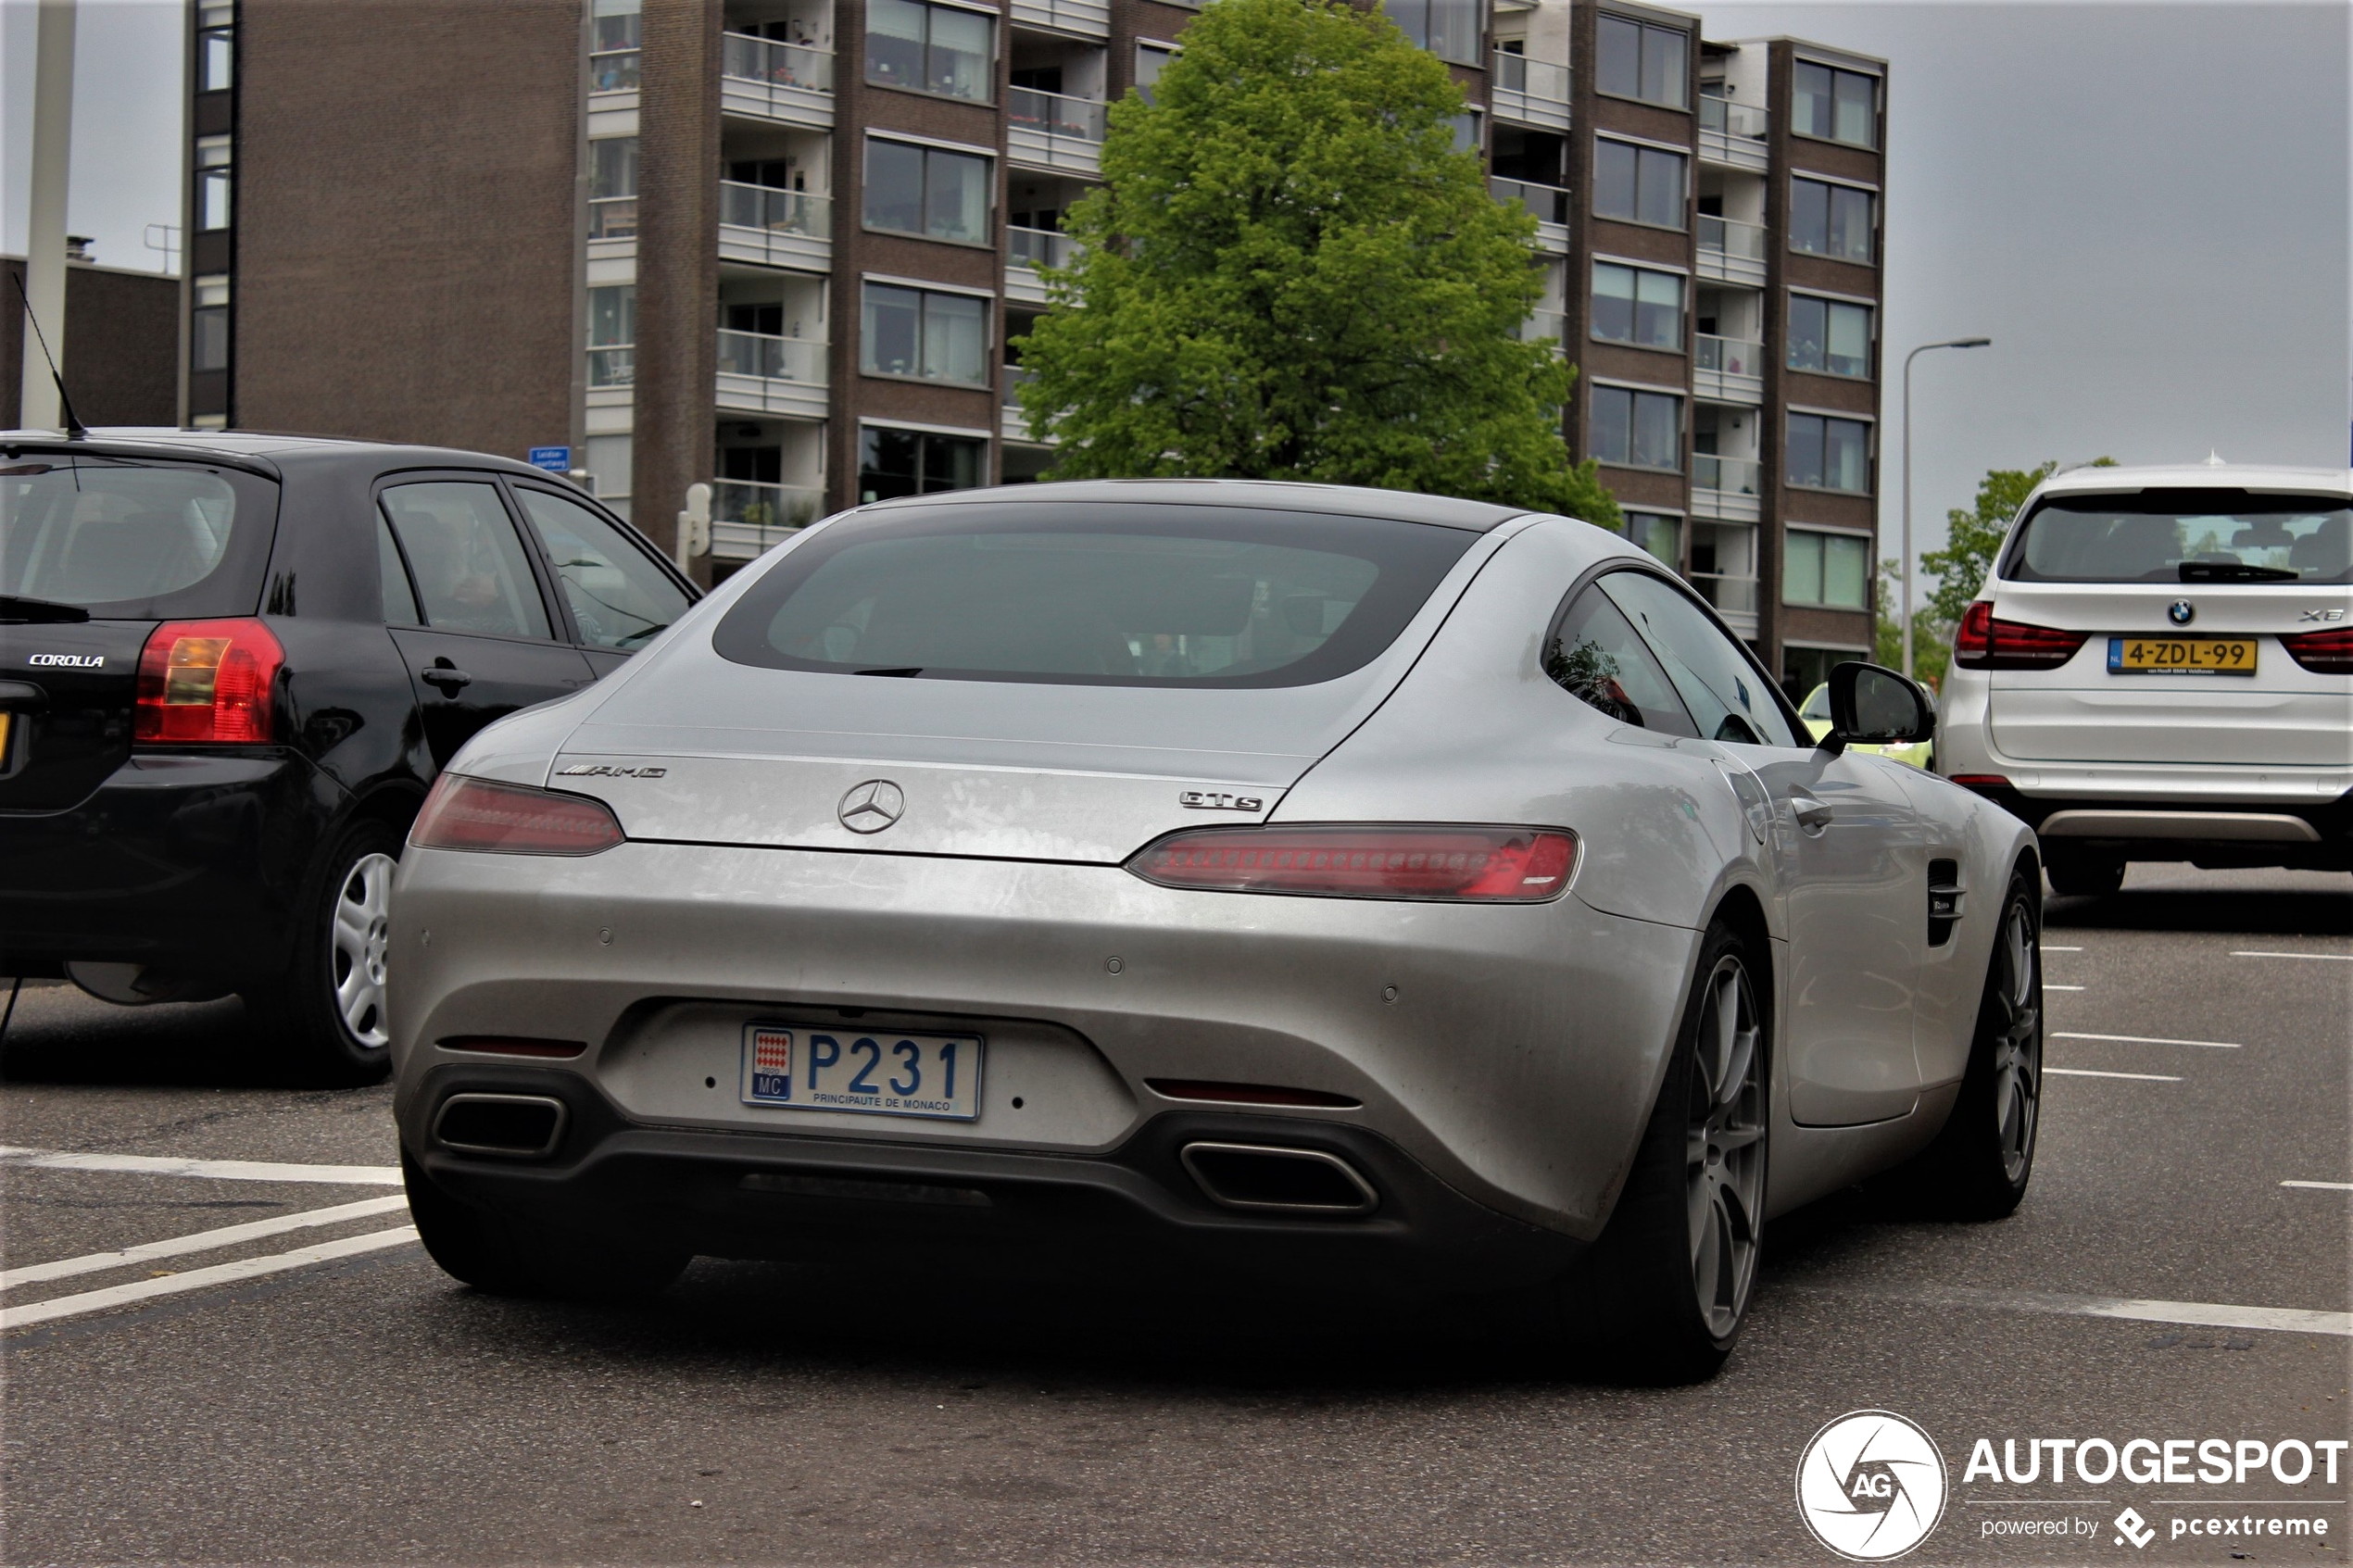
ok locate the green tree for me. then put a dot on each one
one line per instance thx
(1973, 539)
(1932, 636)
(1290, 272)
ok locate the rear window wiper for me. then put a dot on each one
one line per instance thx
(2234, 572)
(21, 607)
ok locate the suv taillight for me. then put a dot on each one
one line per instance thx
(2323, 653)
(1469, 864)
(1985, 643)
(207, 681)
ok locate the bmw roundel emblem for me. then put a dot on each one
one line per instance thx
(2181, 612)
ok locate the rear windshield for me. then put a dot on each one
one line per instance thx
(132, 540)
(1081, 593)
(2185, 536)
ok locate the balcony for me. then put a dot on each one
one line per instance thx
(1025, 249)
(1726, 489)
(1549, 203)
(1053, 130)
(760, 374)
(773, 227)
(1733, 134)
(1088, 18)
(612, 218)
(613, 364)
(613, 71)
(1729, 371)
(748, 517)
(1531, 92)
(1016, 423)
(1732, 252)
(1546, 326)
(782, 83)
(1734, 599)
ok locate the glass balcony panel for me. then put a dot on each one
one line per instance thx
(615, 70)
(771, 359)
(779, 64)
(1015, 379)
(1727, 592)
(1549, 203)
(773, 508)
(1729, 236)
(1536, 79)
(779, 212)
(1543, 326)
(612, 218)
(615, 366)
(1730, 355)
(1037, 247)
(1745, 121)
(1735, 476)
(1054, 114)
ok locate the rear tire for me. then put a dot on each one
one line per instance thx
(501, 1258)
(325, 1011)
(1664, 1289)
(2078, 873)
(1981, 1162)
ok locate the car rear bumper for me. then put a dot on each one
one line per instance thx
(2214, 828)
(187, 862)
(1511, 1053)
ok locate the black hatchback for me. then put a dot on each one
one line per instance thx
(232, 665)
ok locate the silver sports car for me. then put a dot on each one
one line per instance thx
(1286, 880)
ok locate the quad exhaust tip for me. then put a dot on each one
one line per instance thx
(1279, 1181)
(513, 1126)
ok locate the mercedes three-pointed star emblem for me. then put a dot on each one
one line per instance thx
(872, 806)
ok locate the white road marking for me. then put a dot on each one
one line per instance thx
(2087, 1073)
(2148, 1040)
(2329, 957)
(2324, 1186)
(202, 1241)
(2048, 948)
(32, 1313)
(213, 1169)
(2202, 1314)
(2048, 986)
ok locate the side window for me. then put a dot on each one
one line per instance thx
(401, 600)
(471, 571)
(618, 598)
(1596, 656)
(1722, 689)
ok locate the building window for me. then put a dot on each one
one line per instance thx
(613, 333)
(1639, 61)
(215, 47)
(607, 460)
(1831, 570)
(1833, 220)
(213, 183)
(1642, 429)
(616, 27)
(209, 324)
(1660, 535)
(1449, 29)
(1829, 336)
(941, 337)
(927, 191)
(1838, 106)
(917, 462)
(941, 49)
(1635, 305)
(1830, 454)
(613, 188)
(1151, 60)
(1638, 184)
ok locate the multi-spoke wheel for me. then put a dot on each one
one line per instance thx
(1724, 1175)
(325, 1011)
(361, 929)
(1980, 1164)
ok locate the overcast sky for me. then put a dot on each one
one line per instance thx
(2144, 205)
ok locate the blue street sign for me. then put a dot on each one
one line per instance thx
(554, 460)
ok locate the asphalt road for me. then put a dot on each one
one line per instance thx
(363, 1408)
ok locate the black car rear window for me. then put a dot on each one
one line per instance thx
(2185, 535)
(1090, 594)
(129, 539)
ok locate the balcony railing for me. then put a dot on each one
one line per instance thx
(772, 358)
(612, 218)
(1549, 203)
(1730, 355)
(613, 364)
(1534, 79)
(778, 212)
(1015, 379)
(1731, 237)
(1037, 247)
(749, 517)
(1731, 476)
(1054, 114)
(779, 65)
(1543, 326)
(1745, 122)
(1735, 595)
(614, 71)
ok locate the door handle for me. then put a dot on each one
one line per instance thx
(1812, 815)
(446, 679)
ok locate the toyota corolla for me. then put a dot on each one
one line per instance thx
(1281, 880)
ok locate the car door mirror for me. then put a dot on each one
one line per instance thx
(1870, 706)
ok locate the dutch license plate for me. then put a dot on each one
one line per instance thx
(881, 1072)
(2181, 656)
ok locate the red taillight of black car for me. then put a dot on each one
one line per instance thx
(207, 681)
(1502, 865)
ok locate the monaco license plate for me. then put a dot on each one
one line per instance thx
(2181, 656)
(880, 1072)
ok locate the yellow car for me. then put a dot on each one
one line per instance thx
(1817, 714)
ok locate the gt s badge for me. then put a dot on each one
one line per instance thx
(67, 661)
(1210, 800)
(604, 770)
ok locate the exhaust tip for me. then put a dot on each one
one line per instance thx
(513, 1126)
(1284, 1181)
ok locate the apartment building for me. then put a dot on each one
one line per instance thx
(781, 246)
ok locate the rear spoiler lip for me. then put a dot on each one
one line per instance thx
(260, 467)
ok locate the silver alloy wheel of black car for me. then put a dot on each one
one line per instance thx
(2017, 1046)
(1724, 1165)
(357, 940)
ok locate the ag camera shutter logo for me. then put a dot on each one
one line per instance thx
(1871, 1486)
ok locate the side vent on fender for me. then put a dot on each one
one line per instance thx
(1945, 899)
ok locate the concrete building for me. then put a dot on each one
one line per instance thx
(781, 245)
(121, 329)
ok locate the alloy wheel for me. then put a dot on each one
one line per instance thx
(1724, 1145)
(2017, 1046)
(361, 932)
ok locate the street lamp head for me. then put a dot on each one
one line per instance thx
(1970, 343)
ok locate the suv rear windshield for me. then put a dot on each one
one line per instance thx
(1084, 594)
(132, 540)
(2206, 535)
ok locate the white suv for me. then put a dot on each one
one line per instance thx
(2160, 668)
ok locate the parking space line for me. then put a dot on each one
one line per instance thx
(2087, 1073)
(2325, 958)
(2147, 1040)
(2048, 948)
(2324, 1186)
(197, 1279)
(2048, 986)
(202, 1241)
(212, 1170)
(2202, 1314)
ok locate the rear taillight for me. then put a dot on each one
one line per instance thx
(1985, 643)
(2323, 653)
(1476, 864)
(1980, 781)
(504, 818)
(207, 681)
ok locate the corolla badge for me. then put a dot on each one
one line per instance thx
(872, 806)
(2181, 612)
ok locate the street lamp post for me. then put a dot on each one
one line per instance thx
(1955, 343)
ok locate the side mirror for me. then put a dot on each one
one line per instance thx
(1875, 706)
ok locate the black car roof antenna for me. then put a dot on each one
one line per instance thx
(75, 429)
